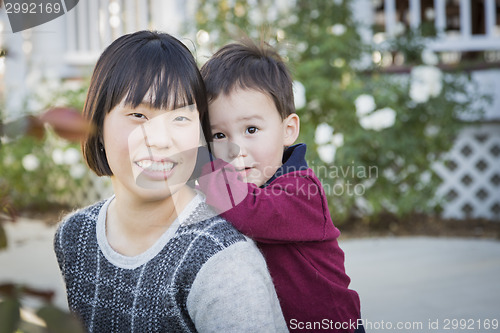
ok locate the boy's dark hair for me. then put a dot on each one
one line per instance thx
(249, 66)
(132, 66)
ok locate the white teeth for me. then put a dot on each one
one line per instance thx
(155, 166)
(145, 164)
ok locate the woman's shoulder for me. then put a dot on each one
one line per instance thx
(205, 223)
(80, 218)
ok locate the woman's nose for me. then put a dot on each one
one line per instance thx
(156, 133)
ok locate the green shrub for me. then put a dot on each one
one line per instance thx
(373, 137)
(40, 173)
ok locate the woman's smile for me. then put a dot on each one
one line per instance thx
(157, 170)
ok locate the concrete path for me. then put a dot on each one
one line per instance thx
(406, 284)
(30, 258)
(426, 284)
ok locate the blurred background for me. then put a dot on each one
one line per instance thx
(399, 100)
(399, 103)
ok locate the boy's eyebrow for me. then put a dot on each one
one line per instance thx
(245, 118)
(253, 117)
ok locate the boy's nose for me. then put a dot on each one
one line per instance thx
(235, 150)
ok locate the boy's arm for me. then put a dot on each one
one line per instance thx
(292, 208)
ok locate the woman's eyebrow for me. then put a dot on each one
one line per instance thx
(148, 105)
(143, 105)
(190, 107)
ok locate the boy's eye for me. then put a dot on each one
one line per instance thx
(219, 136)
(252, 130)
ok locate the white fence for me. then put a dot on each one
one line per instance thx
(471, 169)
(94, 24)
(462, 41)
(471, 174)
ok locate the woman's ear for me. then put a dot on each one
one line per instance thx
(291, 129)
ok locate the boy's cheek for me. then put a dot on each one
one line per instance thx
(221, 150)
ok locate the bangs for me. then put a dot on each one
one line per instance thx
(159, 78)
(160, 92)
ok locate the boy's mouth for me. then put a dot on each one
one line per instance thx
(244, 170)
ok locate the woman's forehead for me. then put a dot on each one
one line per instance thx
(148, 104)
(172, 101)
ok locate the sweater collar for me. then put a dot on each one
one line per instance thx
(294, 159)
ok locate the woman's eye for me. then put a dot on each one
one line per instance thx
(138, 115)
(181, 118)
(252, 130)
(219, 136)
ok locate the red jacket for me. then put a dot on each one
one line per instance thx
(289, 219)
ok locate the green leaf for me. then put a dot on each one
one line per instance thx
(9, 315)
(59, 321)
(3, 238)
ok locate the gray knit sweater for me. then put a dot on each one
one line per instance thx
(201, 275)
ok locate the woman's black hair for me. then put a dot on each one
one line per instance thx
(143, 67)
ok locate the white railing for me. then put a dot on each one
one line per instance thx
(94, 24)
(462, 42)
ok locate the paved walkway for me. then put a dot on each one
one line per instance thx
(30, 258)
(426, 281)
(414, 282)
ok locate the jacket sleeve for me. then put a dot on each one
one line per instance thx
(292, 208)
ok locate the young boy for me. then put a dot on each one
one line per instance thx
(254, 124)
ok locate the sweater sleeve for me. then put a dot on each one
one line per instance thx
(233, 292)
(58, 248)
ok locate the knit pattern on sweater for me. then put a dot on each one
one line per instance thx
(149, 298)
